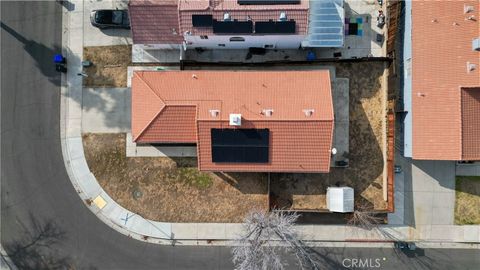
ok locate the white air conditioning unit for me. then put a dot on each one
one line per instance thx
(235, 119)
(340, 199)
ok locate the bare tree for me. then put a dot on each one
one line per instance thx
(266, 236)
(364, 217)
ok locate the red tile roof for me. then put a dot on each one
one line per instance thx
(297, 142)
(471, 123)
(442, 38)
(165, 21)
(217, 8)
(155, 22)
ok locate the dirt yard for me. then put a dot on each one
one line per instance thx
(365, 171)
(109, 67)
(171, 189)
(467, 200)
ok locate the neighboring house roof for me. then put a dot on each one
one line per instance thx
(176, 106)
(165, 21)
(471, 123)
(155, 22)
(217, 8)
(442, 38)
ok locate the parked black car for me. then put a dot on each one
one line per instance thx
(110, 18)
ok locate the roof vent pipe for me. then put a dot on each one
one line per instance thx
(283, 16)
(214, 113)
(226, 17)
(471, 67)
(467, 9)
(471, 18)
(308, 112)
(267, 112)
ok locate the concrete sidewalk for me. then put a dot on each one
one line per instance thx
(133, 225)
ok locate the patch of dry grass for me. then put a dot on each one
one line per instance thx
(171, 189)
(109, 67)
(467, 200)
(365, 171)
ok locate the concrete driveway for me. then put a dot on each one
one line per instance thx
(106, 110)
(424, 192)
(105, 37)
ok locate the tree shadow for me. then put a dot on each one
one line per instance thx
(35, 249)
(42, 54)
(246, 182)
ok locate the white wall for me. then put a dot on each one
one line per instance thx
(278, 41)
(159, 46)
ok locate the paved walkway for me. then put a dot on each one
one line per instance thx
(137, 227)
(106, 110)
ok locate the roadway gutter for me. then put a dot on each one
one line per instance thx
(135, 226)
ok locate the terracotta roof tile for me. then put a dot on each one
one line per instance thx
(300, 17)
(174, 124)
(441, 47)
(471, 123)
(294, 147)
(298, 143)
(155, 22)
(217, 8)
(147, 106)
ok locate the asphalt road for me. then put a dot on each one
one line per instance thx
(44, 224)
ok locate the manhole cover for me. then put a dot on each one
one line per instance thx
(137, 194)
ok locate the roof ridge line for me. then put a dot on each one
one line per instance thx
(149, 86)
(156, 115)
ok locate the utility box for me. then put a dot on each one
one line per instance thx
(340, 199)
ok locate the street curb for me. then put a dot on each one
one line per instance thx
(6, 261)
(113, 215)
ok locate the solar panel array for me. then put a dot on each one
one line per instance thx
(268, 2)
(232, 27)
(202, 20)
(240, 145)
(275, 27)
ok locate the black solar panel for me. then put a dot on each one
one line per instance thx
(232, 27)
(275, 27)
(240, 145)
(268, 2)
(202, 20)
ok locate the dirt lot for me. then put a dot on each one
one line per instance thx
(171, 189)
(109, 67)
(467, 200)
(365, 173)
